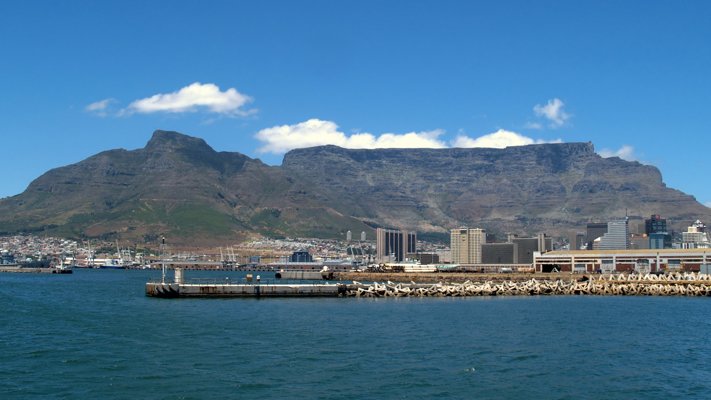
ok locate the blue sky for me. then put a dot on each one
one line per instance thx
(262, 77)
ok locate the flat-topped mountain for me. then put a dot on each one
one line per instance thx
(180, 187)
(536, 188)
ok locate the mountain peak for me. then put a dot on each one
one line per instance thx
(171, 140)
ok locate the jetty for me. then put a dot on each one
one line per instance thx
(675, 284)
(34, 270)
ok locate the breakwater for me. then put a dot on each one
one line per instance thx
(677, 284)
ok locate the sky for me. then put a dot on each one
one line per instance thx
(261, 78)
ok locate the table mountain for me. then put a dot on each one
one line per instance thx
(180, 187)
(551, 188)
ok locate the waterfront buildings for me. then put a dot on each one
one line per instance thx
(466, 245)
(641, 260)
(394, 245)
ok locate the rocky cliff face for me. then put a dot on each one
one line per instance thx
(526, 189)
(180, 187)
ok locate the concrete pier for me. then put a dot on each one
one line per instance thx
(23, 270)
(173, 290)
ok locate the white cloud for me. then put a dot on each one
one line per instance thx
(625, 152)
(499, 140)
(552, 111)
(191, 98)
(100, 107)
(316, 132)
(708, 204)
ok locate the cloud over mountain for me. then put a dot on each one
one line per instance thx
(498, 140)
(625, 152)
(316, 132)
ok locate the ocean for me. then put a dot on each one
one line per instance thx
(95, 335)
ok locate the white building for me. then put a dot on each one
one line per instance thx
(695, 236)
(465, 245)
(616, 238)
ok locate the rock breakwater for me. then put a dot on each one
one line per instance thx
(675, 284)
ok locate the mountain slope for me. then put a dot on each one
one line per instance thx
(177, 186)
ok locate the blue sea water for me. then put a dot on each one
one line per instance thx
(94, 335)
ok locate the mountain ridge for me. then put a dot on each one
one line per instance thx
(179, 186)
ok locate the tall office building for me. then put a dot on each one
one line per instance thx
(655, 224)
(617, 236)
(466, 245)
(526, 246)
(577, 240)
(499, 253)
(594, 230)
(394, 245)
(656, 230)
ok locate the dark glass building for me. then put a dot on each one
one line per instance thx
(301, 256)
(655, 224)
(395, 245)
(595, 230)
(499, 253)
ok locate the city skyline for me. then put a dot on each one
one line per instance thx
(262, 79)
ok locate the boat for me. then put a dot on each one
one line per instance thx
(113, 263)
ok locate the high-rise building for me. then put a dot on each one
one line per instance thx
(655, 224)
(499, 253)
(593, 231)
(466, 244)
(349, 236)
(394, 245)
(362, 236)
(661, 240)
(617, 236)
(577, 240)
(526, 246)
